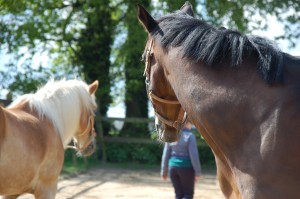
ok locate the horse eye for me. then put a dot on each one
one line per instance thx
(94, 112)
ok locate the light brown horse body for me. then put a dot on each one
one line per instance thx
(252, 126)
(35, 129)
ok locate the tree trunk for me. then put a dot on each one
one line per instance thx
(94, 48)
(135, 93)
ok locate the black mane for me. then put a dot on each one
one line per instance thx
(203, 42)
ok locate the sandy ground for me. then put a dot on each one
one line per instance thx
(100, 183)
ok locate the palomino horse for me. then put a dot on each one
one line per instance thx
(35, 129)
(242, 94)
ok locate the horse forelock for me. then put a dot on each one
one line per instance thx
(203, 42)
(62, 102)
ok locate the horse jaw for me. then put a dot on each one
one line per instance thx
(166, 133)
(89, 150)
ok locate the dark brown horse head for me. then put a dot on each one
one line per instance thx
(169, 115)
(240, 91)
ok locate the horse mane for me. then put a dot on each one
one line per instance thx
(62, 102)
(203, 42)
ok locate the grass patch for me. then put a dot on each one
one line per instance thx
(74, 164)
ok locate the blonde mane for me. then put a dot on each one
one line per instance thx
(62, 102)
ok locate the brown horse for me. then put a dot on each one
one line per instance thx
(242, 94)
(35, 129)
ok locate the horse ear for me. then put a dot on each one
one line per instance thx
(187, 8)
(93, 87)
(146, 19)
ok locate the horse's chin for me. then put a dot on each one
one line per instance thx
(166, 134)
(89, 150)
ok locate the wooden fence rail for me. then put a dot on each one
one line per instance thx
(105, 139)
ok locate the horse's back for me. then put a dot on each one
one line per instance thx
(31, 151)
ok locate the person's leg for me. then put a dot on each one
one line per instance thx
(187, 180)
(176, 182)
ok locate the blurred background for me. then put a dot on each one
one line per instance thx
(103, 40)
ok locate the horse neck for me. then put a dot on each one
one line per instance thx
(292, 69)
(64, 114)
(208, 95)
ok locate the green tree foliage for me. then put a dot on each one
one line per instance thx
(76, 35)
(94, 48)
(30, 28)
(249, 15)
(171, 6)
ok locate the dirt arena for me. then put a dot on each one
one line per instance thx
(112, 183)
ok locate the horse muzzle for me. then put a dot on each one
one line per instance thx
(166, 133)
(87, 151)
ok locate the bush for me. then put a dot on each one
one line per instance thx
(148, 154)
(207, 157)
(140, 153)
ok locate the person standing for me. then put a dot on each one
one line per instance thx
(181, 161)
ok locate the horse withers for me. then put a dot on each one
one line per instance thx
(34, 131)
(241, 92)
